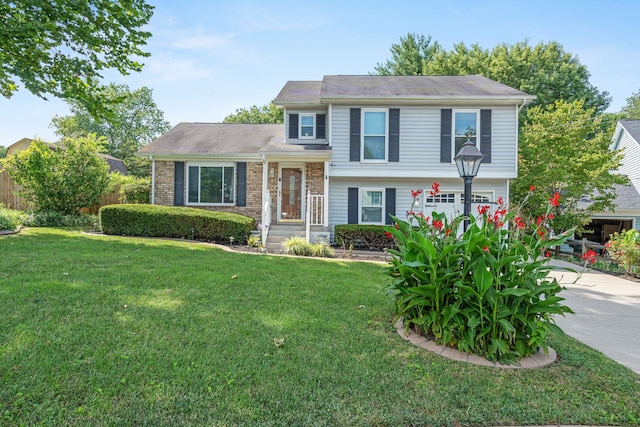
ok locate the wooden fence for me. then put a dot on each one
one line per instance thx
(9, 199)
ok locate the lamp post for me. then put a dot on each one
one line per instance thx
(468, 162)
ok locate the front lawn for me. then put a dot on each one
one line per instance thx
(98, 330)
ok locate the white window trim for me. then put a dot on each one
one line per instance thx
(360, 205)
(217, 164)
(386, 135)
(453, 129)
(300, 116)
(459, 199)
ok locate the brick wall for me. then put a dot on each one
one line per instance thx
(165, 172)
(315, 178)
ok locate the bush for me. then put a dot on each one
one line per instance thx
(57, 219)
(486, 291)
(132, 189)
(9, 219)
(299, 246)
(176, 222)
(369, 237)
(624, 249)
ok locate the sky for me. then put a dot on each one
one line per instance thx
(211, 57)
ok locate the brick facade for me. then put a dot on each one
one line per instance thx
(164, 191)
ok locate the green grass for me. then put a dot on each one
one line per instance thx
(98, 330)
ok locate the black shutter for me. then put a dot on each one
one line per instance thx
(394, 134)
(241, 184)
(390, 204)
(354, 136)
(352, 205)
(485, 135)
(445, 135)
(321, 120)
(293, 126)
(178, 184)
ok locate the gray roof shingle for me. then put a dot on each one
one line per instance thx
(627, 198)
(632, 127)
(395, 87)
(224, 139)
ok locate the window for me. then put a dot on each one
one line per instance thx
(440, 198)
(374, 135)
(307, 126)
(477, 198)
(211, 184)
(371, 206)
(465, 126)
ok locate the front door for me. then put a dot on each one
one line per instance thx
(291, 194)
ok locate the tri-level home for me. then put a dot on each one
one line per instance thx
(350, 151)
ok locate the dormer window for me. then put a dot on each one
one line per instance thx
(307, 126)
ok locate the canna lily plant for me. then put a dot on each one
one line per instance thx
(486, 291)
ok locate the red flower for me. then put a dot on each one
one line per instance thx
(532, 188)
(435, 189)
(438, 224)
(590, 256)
(483, 209)
(519, 222)
(539, 220)
(555, 200)
(486, 249)
(500, 201)
(389, 236)
(547, 254)
(420, 215)
(550, 216)
(416, 193)
(396, 225)
(447, 232)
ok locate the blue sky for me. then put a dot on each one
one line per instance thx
(211, 57)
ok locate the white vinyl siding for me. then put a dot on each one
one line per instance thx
(420, 146)
(338, 194)
(631, 161)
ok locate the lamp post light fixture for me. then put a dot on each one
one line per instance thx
(468, 162)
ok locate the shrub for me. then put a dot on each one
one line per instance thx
(624, 249)
(9, 219)
(57, 219)
(371, 237)
(175, 221)
(486, 291)
(132, 189)
(299, 246)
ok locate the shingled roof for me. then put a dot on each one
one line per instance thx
(334, 88)
(225, 140)
(632, 127)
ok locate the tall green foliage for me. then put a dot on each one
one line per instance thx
(61, 47)
(135, 121)
(485, 292)
(545, 70)
(563, 149)
(62, 178)
(268, 113)
(410, 57)
(632, 109)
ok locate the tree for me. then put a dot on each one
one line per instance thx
(135, 122)
(61, 47)
(544, 70)
(3, 152)
(62, 178)
(631, 111)
(564, 150)
(410, 57)
(268, 113)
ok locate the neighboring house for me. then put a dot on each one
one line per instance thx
(626, 137)
(8, 186)
(350, 151)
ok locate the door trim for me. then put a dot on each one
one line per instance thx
(303, 190)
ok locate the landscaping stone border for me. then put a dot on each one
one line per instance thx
(536, 361)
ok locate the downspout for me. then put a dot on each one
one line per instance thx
(153, 180)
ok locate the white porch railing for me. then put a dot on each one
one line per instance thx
(266, 219)
(315, 214)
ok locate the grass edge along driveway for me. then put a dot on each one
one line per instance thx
(100, 330)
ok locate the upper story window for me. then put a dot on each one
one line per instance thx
(374, 135)
(465, 127)
(211, 184)
(307, 126)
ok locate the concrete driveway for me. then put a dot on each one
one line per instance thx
(607, 313)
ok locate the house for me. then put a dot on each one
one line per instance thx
(350, 150)
(626, 137)
(9, 188)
